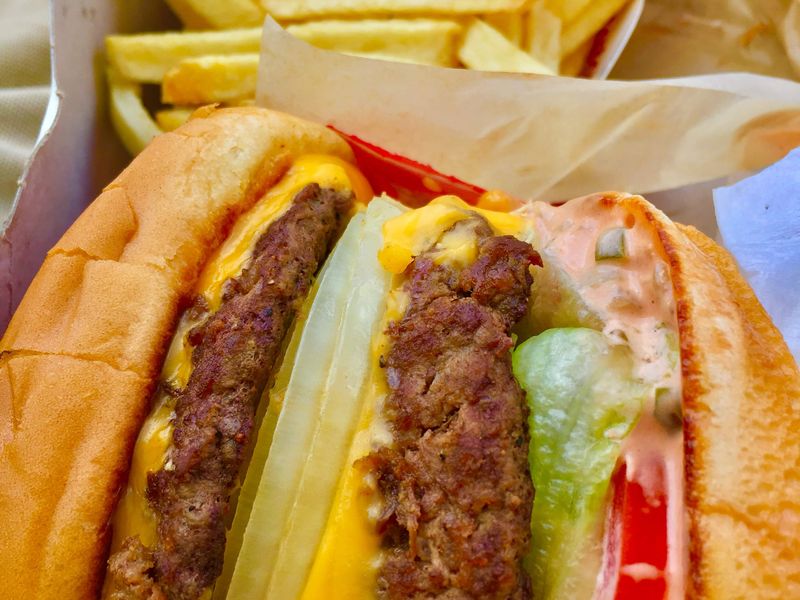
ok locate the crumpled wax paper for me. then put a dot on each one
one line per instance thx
(759, 222)
(539, 137)
(689, 37)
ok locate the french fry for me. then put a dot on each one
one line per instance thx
(568, 10)
(543, 36)
(187, 15)
(485, 48)
(170, 119)
(573, 64)
(147, 57)
(509, 24)
(130, 118)
(305, 9)
(206, 67)
(214, 78)
(218, 14)
(588, 23)
(424, 41)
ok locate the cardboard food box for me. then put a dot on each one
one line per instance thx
(77, 153)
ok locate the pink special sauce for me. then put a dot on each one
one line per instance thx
(634, 298)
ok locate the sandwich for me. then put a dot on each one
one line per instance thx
(239, 375)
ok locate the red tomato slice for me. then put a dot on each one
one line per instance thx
(636, 544)
(412, 183)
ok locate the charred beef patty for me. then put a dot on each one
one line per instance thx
(235, 354)
(456, 484)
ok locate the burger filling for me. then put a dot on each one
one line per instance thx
(319, 392)
(598, 361)
(460, 281)
(170, 529)
(602, 377)
(429, 492)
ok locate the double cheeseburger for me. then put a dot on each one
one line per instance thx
(239, 375)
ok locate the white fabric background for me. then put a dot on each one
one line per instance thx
(24, 87)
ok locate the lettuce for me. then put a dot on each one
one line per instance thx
(584, 399)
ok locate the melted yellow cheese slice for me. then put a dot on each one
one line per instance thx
(432, 227)
(345, 564)
(348, 556)
(348, 569)
(133, 516)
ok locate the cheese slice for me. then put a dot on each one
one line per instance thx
(432, 227)
(133, 516)
(348, 570)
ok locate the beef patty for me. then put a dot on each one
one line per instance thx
(236, 351)
(456, 483)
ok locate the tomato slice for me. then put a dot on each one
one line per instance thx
(412, 183)
(636, 546)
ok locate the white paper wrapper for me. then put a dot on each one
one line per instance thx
(759, 222)
(554, 138)
(538, 137)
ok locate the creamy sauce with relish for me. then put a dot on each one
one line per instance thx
(629, 291)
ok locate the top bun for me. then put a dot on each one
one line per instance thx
(81, 355)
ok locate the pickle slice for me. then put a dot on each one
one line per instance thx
(611, 244)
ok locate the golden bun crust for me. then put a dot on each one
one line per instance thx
(79, 359)
(741, 391)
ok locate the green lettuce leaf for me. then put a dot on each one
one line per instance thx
(584, 399)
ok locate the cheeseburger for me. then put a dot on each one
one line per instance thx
(239, 375)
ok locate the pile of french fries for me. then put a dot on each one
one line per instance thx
(215, 58)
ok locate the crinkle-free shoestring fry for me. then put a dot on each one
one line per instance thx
(214, 59)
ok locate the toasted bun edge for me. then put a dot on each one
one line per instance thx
(741, 390)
